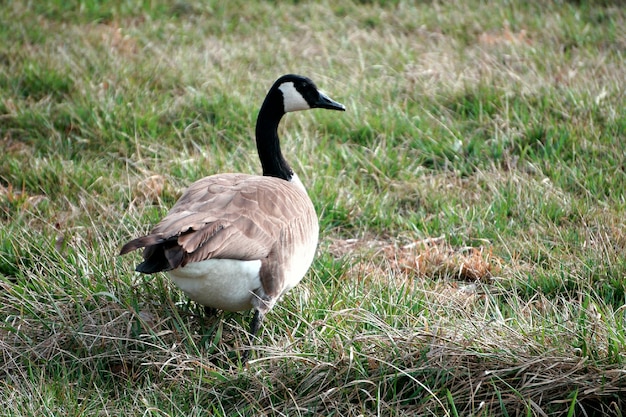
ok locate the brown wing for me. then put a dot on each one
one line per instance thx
(229, 216)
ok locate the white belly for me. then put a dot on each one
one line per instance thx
(230, 285)
(225, 284)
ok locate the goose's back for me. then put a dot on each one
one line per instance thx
(232, 216)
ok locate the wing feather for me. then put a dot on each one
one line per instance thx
(229, 216)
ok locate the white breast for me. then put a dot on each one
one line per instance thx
(225, 284)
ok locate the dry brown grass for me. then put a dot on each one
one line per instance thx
(400, 366)
(427, 258)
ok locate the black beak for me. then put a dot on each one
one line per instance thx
(325, 102)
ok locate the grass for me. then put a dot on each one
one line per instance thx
(471, 257)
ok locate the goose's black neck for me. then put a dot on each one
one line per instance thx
(267, 141)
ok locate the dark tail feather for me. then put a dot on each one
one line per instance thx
(161, 257)
(154, 261)
(159, 254)
(141, 242)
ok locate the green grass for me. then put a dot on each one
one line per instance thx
(482, 141)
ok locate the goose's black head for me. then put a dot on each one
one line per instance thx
(289, 93)
(300, 93)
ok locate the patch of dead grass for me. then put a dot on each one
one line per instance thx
(426, 258)
(434, 257)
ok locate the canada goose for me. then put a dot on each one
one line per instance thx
(236, 241)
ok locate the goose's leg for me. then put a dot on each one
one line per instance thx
(255, 325)
(262, 303)
(209, 311)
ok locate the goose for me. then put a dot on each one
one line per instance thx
(235, 241)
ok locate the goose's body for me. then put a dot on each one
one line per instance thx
(228, 229)
(238, 241)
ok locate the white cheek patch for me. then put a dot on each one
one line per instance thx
(292, 98)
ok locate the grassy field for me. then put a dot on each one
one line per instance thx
(471, 201)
